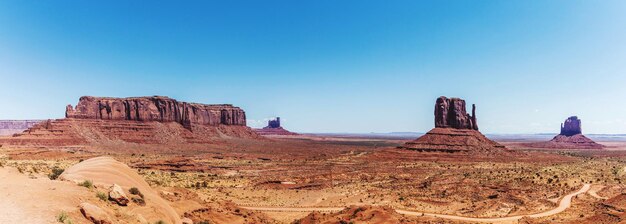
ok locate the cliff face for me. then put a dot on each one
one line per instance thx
(571, 126)
(450, 113)
(156, 108)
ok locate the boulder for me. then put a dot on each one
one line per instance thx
(94, 214)
(116, 194)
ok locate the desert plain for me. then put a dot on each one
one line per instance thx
(207, 166)
(287, 179)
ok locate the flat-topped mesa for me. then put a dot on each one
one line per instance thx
(451, 113)
(571, 126)
(156, 108)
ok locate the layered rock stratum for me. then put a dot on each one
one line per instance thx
(570, 137)
(146, 120)
(274, 128)
(455, 131)
(156, 108)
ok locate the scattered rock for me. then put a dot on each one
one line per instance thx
(94, 214)
(116, 193)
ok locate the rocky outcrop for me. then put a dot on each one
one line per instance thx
(116, 194)
(156, 108)
(571, 126)
(571, 137)
(455, 131)
(144, 120)
(273, 128)
(274, 123)
(94, 214)
(450, 113)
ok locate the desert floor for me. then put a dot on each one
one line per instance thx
(285, 179)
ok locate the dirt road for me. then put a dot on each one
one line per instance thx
(565, 203)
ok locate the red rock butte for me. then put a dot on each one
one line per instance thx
(571, 137)
(156, 108)
(155, 119)
(273, 128)
(455, 131)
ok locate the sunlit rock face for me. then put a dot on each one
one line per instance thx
(156, 108)
(451, 113)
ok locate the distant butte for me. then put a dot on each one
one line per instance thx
(274, 128)
(455, 131)
(571, 137)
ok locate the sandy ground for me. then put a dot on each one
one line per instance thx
(46, 199)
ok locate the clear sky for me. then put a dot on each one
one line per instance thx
(326, 65)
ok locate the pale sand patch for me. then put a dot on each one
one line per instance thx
(26, 200)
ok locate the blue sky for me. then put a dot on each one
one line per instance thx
(325, 66)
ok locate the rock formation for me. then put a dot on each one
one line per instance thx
(450, 113)
(571, 137)
(146, 120)
(94, 213)
(274, 123)
(116, 194)
(273, 128)
(156, 108)
(10, 127)
(571, 126)
(455, 131)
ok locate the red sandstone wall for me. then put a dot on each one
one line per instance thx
(156, 108)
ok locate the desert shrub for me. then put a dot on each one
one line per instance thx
(204, 222)
(102, 196)
(56, 172)
(135, 191)
(139, 201)
(160, 222)
(86, 183)
(64, 218)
